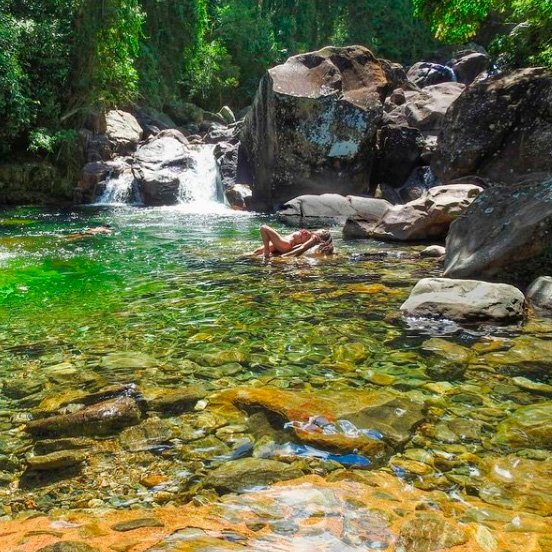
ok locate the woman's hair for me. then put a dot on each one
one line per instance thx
(326, 243)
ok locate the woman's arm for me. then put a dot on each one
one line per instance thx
(300, 249)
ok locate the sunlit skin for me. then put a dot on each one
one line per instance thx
(293, 245)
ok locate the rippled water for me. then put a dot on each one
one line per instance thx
(165, 302)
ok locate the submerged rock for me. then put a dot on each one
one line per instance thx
(427, 217)
(504, 235)
(151, 434)
(56, 460)
(238, 475)
(367, 422)
(429, 531)
(176, 400)
(69, 546)
(99, 419)
(528, 427)
(313, 124)
(465, 301)
(134, 524)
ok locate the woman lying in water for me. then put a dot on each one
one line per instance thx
(294, 245)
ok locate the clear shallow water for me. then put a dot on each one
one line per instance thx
(165, 302)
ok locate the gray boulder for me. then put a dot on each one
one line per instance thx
(505, 235)
(158, 166)
(424, 74)
(329, 209)
(122, 130)
(499, 128)
(469, 66)
(312, 127)
(464, 301)
(539, 293)
(427, 217)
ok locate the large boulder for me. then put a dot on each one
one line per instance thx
(425, 73)
(506, 235)
(313, 124)
(328, 209)
(427, 217)
(464, 301)
(469, 65)
(499, 128)
(539, 293)
(424, 109)
(159, 164)
(122, 130)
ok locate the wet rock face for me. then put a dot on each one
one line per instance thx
(469, 66)
(327, 209)
(499, 129)
(427, 217)
(98, 419)
(313, 124)
(464, 300)
(158, 164)
(505, 235)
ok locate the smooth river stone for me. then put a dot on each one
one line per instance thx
(99, 419)
(528, 427)
(56, 460)
(69, 546)
(250, 472)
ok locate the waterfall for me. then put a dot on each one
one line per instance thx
(199, 187)
(119, 190)
(196, 182)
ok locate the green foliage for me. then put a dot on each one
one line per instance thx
(529, 43)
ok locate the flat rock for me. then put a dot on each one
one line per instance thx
(176, 400)
(131, 525)
(528, 427)
(464, 301)
(242, 474)
(99, 419)
(56, 460)
(69, 546)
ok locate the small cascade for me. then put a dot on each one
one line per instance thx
(199, 183)
(192, 184)
(119, 190)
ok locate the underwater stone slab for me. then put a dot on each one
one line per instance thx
(56, 460)
(529, 426)
(464, 301)
(250, 472)
(99, 419)
(69, 546)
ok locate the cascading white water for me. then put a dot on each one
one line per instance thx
(197, 183)
(198, 191)
(118, 190)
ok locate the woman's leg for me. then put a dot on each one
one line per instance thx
(270, 236)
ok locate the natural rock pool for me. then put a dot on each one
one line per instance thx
(180, 374)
